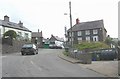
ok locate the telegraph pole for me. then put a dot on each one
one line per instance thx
(71, 24)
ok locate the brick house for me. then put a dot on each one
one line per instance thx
(87, 31)
(37, 38)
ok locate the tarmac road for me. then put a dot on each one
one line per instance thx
(45, 64)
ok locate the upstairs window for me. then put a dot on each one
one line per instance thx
(70, 34)
(26, 35)
(79, 33)
(87, 32)
(19, 34)
(95, 31)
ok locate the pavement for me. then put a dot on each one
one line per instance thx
(107, 68)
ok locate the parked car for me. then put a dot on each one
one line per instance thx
(29, 49)
(54, 46)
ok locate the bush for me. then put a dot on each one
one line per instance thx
(66, 53)
(11, 34)
(91, 45)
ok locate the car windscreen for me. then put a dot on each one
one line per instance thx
(27, 46)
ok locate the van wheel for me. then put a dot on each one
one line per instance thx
(22, 53)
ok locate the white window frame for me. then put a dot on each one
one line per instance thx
(87, 32)
(26, 36)
(79, 33)
(70, 34)
(95, 31)
(19, 33)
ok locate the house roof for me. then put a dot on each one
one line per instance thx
(13, 25)
(37, 34)
(88, 25)
(56, 38)
(59, 39)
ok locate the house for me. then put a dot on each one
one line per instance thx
(46, 42)
(87, 31)
(37, 38)
(23, 33)
(55, 38)
(56, 42)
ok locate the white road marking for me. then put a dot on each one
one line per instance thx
(32, 62)
(36, 65)
(3, 56)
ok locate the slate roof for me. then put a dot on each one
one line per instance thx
(13, 25)
(36, 34)
(88, 25)
(56, 38)
(59, 39)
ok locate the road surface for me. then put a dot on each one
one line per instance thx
(45, 64)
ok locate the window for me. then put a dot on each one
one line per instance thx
(26, 35)
(79, 40)
(19, 34)
(88, 38)
(95, 38)
(87, 32)
(95, 31)
(72, 39)
(70, 34)
(79, 33)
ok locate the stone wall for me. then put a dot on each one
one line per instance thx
(15, 47)
(85, 57)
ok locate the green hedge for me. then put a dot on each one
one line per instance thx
(90, 45)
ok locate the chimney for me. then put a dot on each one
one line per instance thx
(77, 21)
(41, 34)
(51, 35)
(6, 18)
(20, 24)
(38, 30)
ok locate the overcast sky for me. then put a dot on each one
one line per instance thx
(48, 15)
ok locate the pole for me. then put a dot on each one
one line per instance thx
(71, 23)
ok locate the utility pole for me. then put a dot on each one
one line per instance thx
(71, 24)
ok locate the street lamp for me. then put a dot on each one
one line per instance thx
(70, 16)
(71, 23)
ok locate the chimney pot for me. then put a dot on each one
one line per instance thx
(38, 30)
(6, 18)
(20, 24)
(77, 21)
